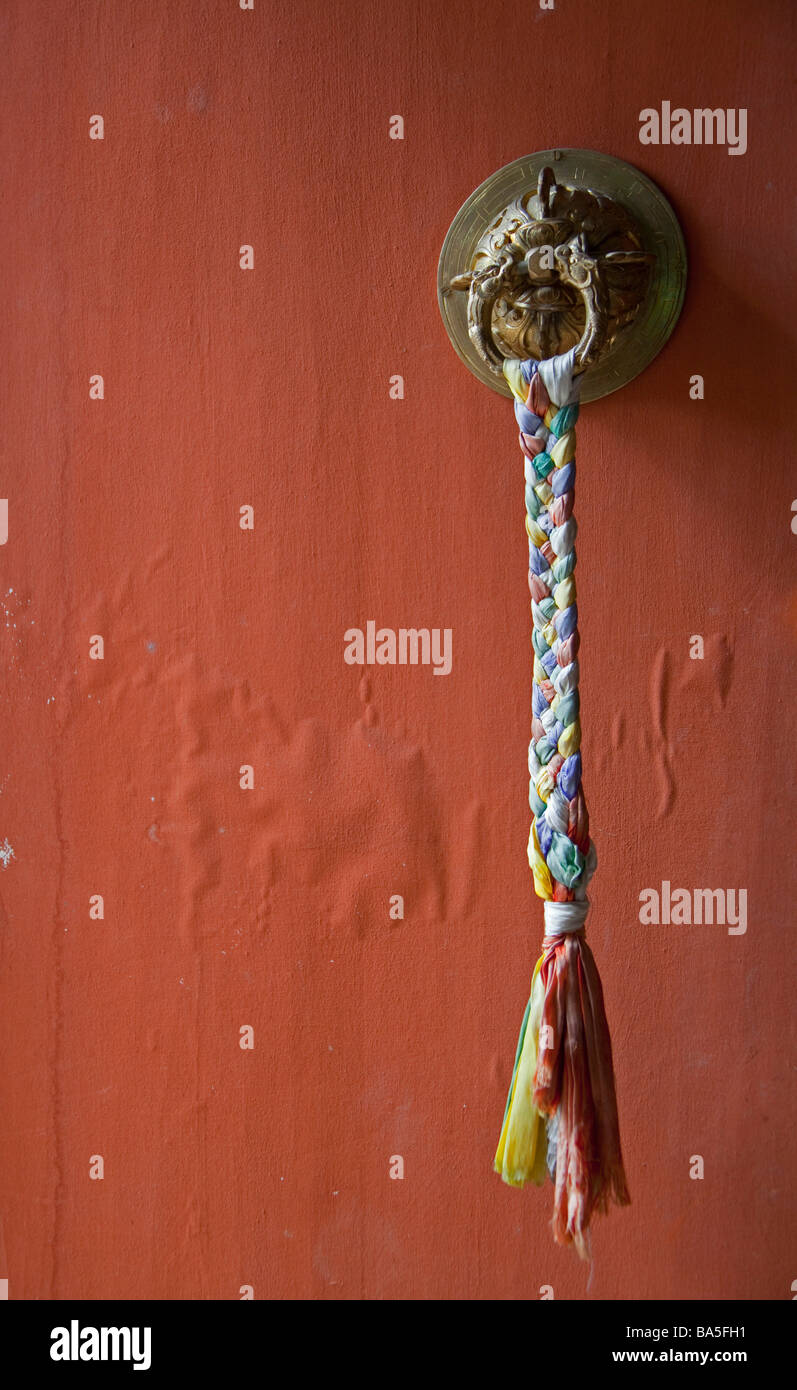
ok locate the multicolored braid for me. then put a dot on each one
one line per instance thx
(561, 1113)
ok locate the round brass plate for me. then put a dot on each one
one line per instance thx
(639, 344)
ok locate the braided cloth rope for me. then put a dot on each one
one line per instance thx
(561, 1113)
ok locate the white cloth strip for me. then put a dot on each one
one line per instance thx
(564, 917)
(557, 376)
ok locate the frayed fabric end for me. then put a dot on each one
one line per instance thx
(574, 1081)
(561, 1112)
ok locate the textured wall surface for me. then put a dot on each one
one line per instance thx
(222, 647)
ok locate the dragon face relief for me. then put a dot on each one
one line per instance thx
(560, 268)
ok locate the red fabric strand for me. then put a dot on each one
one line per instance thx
(575, 1081)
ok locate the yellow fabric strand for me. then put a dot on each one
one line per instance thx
(522, 1148)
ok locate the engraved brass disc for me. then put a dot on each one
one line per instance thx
(635, 346)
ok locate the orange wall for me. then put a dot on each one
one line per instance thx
(269, 907)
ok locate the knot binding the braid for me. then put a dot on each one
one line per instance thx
(563, 1066)
(564, 917)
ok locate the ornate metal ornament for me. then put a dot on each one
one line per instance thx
(563, 249)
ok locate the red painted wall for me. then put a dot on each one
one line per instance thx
(269, 907)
